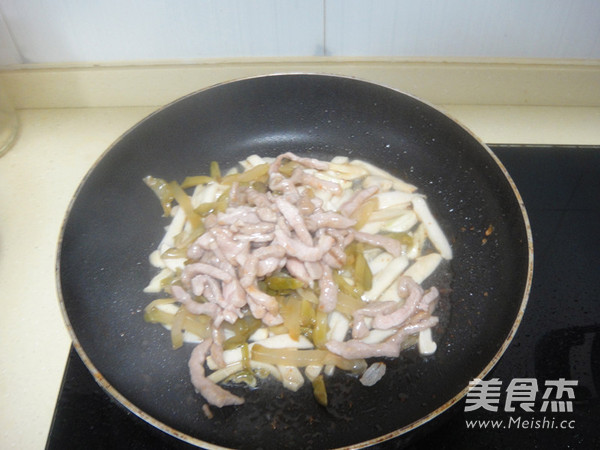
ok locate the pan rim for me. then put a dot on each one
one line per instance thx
(116, 394)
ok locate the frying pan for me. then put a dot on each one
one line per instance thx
(114, 222)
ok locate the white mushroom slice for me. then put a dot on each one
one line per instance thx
(371, 253)
(334, 178)
(191, 338)
(231, 356)
(373, 374)
(347, 171)
(380, 262)
(377, 336)
(418, 271)
(326, 197)
(397, 182)
(435, 233)
(426, 344)
(312, 372)
(205, 194)
(329, 370)
(402, 223)
(394, 198)
(333, 202)
(372, 227)
(285, 341)
(291, 377)
(423, 267)
(175, 264)
(338, 326)
(384, 184)
(156, 260)
(255, 160)
(391, 294)
(340, 160)
(389, 213)
(155, 284)
(382, 280)
(259, 335)
(418, 240)
(170, 308)
(174, 228)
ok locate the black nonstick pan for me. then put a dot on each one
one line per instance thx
(114, 222)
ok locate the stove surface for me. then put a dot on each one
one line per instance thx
(557, 344)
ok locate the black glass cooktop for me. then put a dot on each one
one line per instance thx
(545, 391)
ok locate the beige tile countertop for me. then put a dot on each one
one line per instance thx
(70, 115)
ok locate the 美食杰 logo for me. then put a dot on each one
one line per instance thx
(522, 395)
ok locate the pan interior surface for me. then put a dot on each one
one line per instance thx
(115, 222)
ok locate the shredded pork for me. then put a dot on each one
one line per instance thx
(213, 393)
(300, 226)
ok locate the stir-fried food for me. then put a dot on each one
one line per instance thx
(292, 268)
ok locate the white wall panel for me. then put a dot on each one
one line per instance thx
(8, 51)
(479, 28)
(57, 31)
(125, 30)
